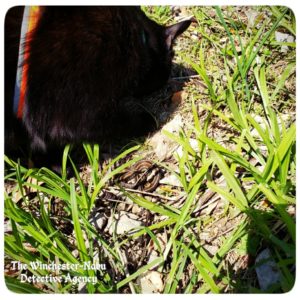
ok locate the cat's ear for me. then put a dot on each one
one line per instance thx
(174, 30)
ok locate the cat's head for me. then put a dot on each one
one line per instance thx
(158, 43)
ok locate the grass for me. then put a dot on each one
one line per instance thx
(244, 127)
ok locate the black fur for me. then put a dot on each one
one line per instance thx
(88, 69)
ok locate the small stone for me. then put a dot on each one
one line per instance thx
(204, 236)
(267, 272)
(99, 221)
(211, 249)
(212, 13)
(194, 145)
(194, 37)
(152, 257)
(174, 125)
(121, 206)
(82, 288)
(171, 180)
(136, 210)
(7, 226)
(151, 282)
(284, 37)
(123, 222)
(75, 253)
(251, 15)
(161, 144)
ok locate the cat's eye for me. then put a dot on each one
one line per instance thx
(144, 37)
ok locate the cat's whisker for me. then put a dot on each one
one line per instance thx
(185, 77)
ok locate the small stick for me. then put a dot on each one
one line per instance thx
(124, 261)
(184, 77)
(147, 193)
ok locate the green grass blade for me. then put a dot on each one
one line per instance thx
(230, 179)
(281, 207)
(263, 41)
(77, 228)
(108, 176)
(16, 286)
(206, 277)
(285, 75)
(64, 163)
(199, 175)
(139, 272)
(227, 196)
(151, 206)
(287, 141)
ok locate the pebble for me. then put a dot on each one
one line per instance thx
(171, 180)
(151, 282)
(99, 221)
(123, 222)
(160, 143)
(284, 37)
(267, 272)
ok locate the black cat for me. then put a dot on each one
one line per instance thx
(87, 69)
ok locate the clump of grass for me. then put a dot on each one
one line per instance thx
(271, 149)
(36, 227)
(160, 14)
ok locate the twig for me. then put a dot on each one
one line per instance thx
(226, 231)
(184, 77)
(146, 193)
(124, 261)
